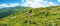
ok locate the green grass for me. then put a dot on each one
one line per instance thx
(48, 16)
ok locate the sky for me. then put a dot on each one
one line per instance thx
(29, 3)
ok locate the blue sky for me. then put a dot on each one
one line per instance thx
(28, 3)
(57, 2)
(9, 1)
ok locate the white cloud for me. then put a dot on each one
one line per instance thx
(10, 5)
(58, 0)
(4, 5)
(51, 3)
(14, 5)
(37, 3)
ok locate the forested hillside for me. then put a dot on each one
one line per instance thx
(27, 16)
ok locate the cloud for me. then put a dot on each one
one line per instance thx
(37, 3)
(58, 0)
(14, 5)
(4, 5)
(51, 3)
(10, 5)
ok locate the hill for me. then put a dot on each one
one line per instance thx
(43, 16)
(11, 10)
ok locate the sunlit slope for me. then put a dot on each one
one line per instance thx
(43, 16)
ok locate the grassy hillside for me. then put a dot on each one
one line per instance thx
(11, 10)
(43, 16)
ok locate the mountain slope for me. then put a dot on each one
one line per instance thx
(43, 16)
(11, 10)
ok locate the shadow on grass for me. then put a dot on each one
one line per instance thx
(5, 14)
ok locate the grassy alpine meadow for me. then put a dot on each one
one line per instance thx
(27, 16)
